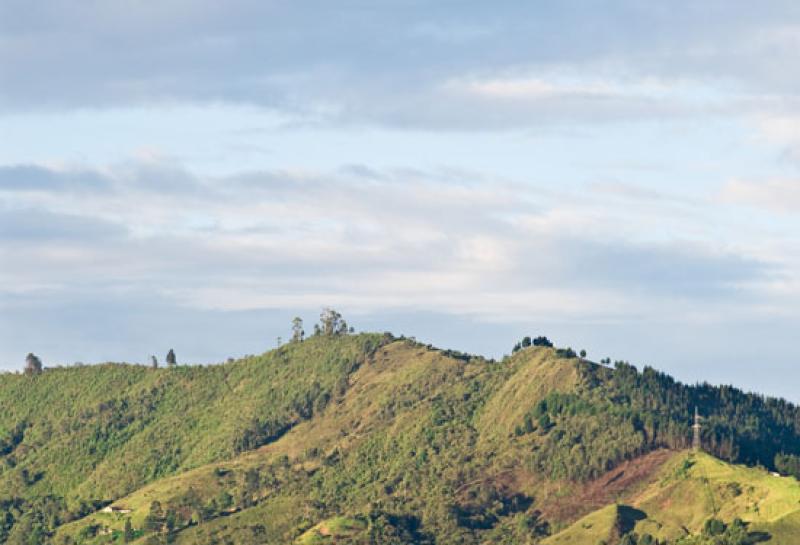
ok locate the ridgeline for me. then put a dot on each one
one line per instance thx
(360, 439)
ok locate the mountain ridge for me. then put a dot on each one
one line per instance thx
(408, 443)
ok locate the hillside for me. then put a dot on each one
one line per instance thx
(370, 439)
(684, 495)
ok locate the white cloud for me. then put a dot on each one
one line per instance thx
(779, 195)
(389, 239)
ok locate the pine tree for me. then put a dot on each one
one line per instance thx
(171, 360)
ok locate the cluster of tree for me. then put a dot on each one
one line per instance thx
(715, 532)
(624, 413)
(258, 433)
(26, 522)
(788, 464)
(163, 520)
(567, 353)
(632, 538)
(536, 341)
(482, 505)
(331, 323)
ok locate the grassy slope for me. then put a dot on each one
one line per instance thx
(100, 432)
(594, 528)
(407, 433)
(691, 488)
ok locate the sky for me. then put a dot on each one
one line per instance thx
(621, 176)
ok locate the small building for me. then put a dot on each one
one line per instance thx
(115, 509)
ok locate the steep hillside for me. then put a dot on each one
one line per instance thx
(76, 438)
(368, 439)
(684, 495)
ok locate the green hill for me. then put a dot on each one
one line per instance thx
(684, 495)
(370, 439)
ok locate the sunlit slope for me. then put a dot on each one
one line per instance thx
(82, 436)
(367, 438)
(689, 490)
(596, 527)
(402, 439)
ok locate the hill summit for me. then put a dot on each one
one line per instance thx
(368, 438)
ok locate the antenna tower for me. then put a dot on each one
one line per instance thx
(696, 443)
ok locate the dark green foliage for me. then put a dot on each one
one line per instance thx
(737, 426)
(565, 353)
(171, 359)
(542, 341)
(128, 534)
(713, 527)
(625, 413)
(33, 365)
(527, 341)
(788, 464)
(483, 505)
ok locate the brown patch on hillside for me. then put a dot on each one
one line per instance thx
(620, 482)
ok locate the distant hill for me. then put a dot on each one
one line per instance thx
(371, 439)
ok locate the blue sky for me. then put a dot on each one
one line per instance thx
(620, 176)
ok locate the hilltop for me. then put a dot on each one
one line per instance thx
(372, 439)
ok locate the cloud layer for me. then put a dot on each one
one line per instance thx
(198, 172)
(401, 64)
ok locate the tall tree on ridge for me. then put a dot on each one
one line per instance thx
(297, 330)
(33, 365)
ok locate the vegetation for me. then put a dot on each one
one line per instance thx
(33, 365)
(371, 439)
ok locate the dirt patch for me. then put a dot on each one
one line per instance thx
(617, 483)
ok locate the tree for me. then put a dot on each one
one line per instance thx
(297, 329)
(332, 323)
(33, 365)
(154, 520)
(526, 342)
(583, 353)
(128, 534)
(154, 362)
(171, 360)
(713, 527)
(170, 520)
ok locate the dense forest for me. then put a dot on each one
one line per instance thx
(403, 442)
(622, 413)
